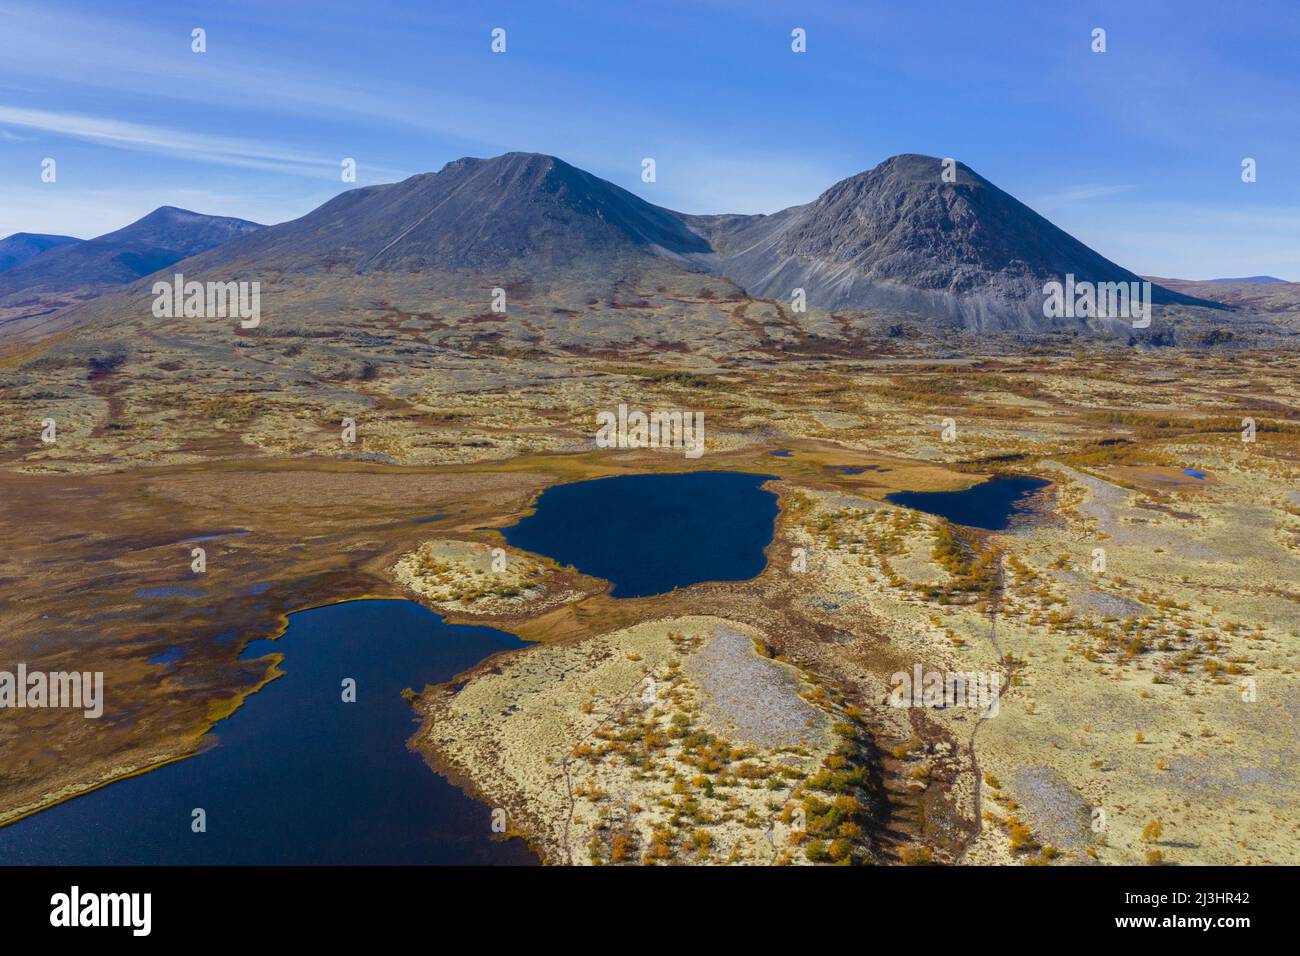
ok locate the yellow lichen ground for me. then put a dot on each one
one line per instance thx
(612, 750)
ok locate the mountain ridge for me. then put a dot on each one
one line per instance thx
(895, 240)
(162, 237)
(24, 246)
(64, 275)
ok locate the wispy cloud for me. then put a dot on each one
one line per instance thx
(734, 119)
(1085, 192)
(151, 58)
(195, 146)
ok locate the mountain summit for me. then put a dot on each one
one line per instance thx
(899, 237)
(517, 210)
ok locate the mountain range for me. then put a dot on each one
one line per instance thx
(22, 246)
(50, 272)
(899, 240)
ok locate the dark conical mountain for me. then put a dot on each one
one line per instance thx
(519, 209)
(899, 237)
(21, 246)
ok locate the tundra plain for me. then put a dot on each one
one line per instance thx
(1147, 713)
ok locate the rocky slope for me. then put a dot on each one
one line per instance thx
(900, 238)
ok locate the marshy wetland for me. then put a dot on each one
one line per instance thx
(299, 775)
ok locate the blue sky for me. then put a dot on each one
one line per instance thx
(1137, 151)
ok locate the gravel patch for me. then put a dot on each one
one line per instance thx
(1084, 598)
(753, 699)
(1061, 816)
(1106, 501)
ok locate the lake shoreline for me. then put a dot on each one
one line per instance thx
(213, 732)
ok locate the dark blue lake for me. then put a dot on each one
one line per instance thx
(989, 505)
(295, 775)
(648, 534)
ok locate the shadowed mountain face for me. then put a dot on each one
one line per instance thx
(163, 237)
(899, 237)
(21, 246)
(474, 215)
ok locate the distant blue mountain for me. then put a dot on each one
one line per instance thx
(21, 246)
(1256, 279)
(161, 238)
